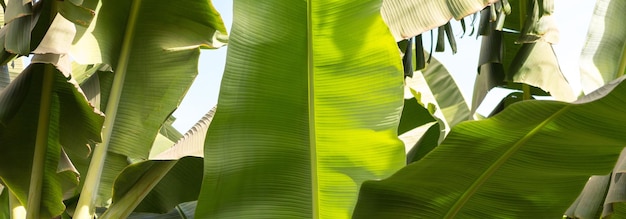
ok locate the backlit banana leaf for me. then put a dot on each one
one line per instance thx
(435, 87)
(152, 48)
(604, 55)
(160, 60)
(308, 109)
(408, 18)
(446, 93)
(529, 161)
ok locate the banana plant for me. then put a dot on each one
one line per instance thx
(153, 51)
(149, 77)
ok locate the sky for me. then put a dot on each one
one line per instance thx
(572, 17)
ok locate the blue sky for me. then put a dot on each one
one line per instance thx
(572, 17)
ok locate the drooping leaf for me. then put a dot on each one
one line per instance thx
(168, 179)
(603, 196)
(490, 68)
(306, 112)
(449, 99)
(28, 22)
(407, 59)
(420, 58)
(589, 202)
(536, 64)
(408, 18)
(615, 202)
(153, 50)
(73, 124)
(435, 87)
(538, 22)
(604, 55)
(516, 48)
(160, 64)
(529, 161)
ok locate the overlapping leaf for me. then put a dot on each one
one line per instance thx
(73, 124)
(161, 57)
(603, 196)
(168, 179)
(529, 161)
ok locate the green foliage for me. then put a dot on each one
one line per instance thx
(310, 113)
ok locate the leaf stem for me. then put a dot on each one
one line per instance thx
(311, 101)
(41, 144)
(526, 92)
(86, 203)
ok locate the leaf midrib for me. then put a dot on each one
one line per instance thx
(311, 114)
(460, 203)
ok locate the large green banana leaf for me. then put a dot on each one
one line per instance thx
(408, 18)
(73, 124)
(308, 109)
(152, 48)
(529, 161)
(158, 50)
(604, 55)
(28, 153)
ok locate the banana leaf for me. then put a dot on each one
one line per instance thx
(603, 196)
(152, 49)
(168, 179)
(604, 55)
(73, 124)
(159, 64)
(529, 161)
(408, 18)
(26, 23)
(308, 109)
